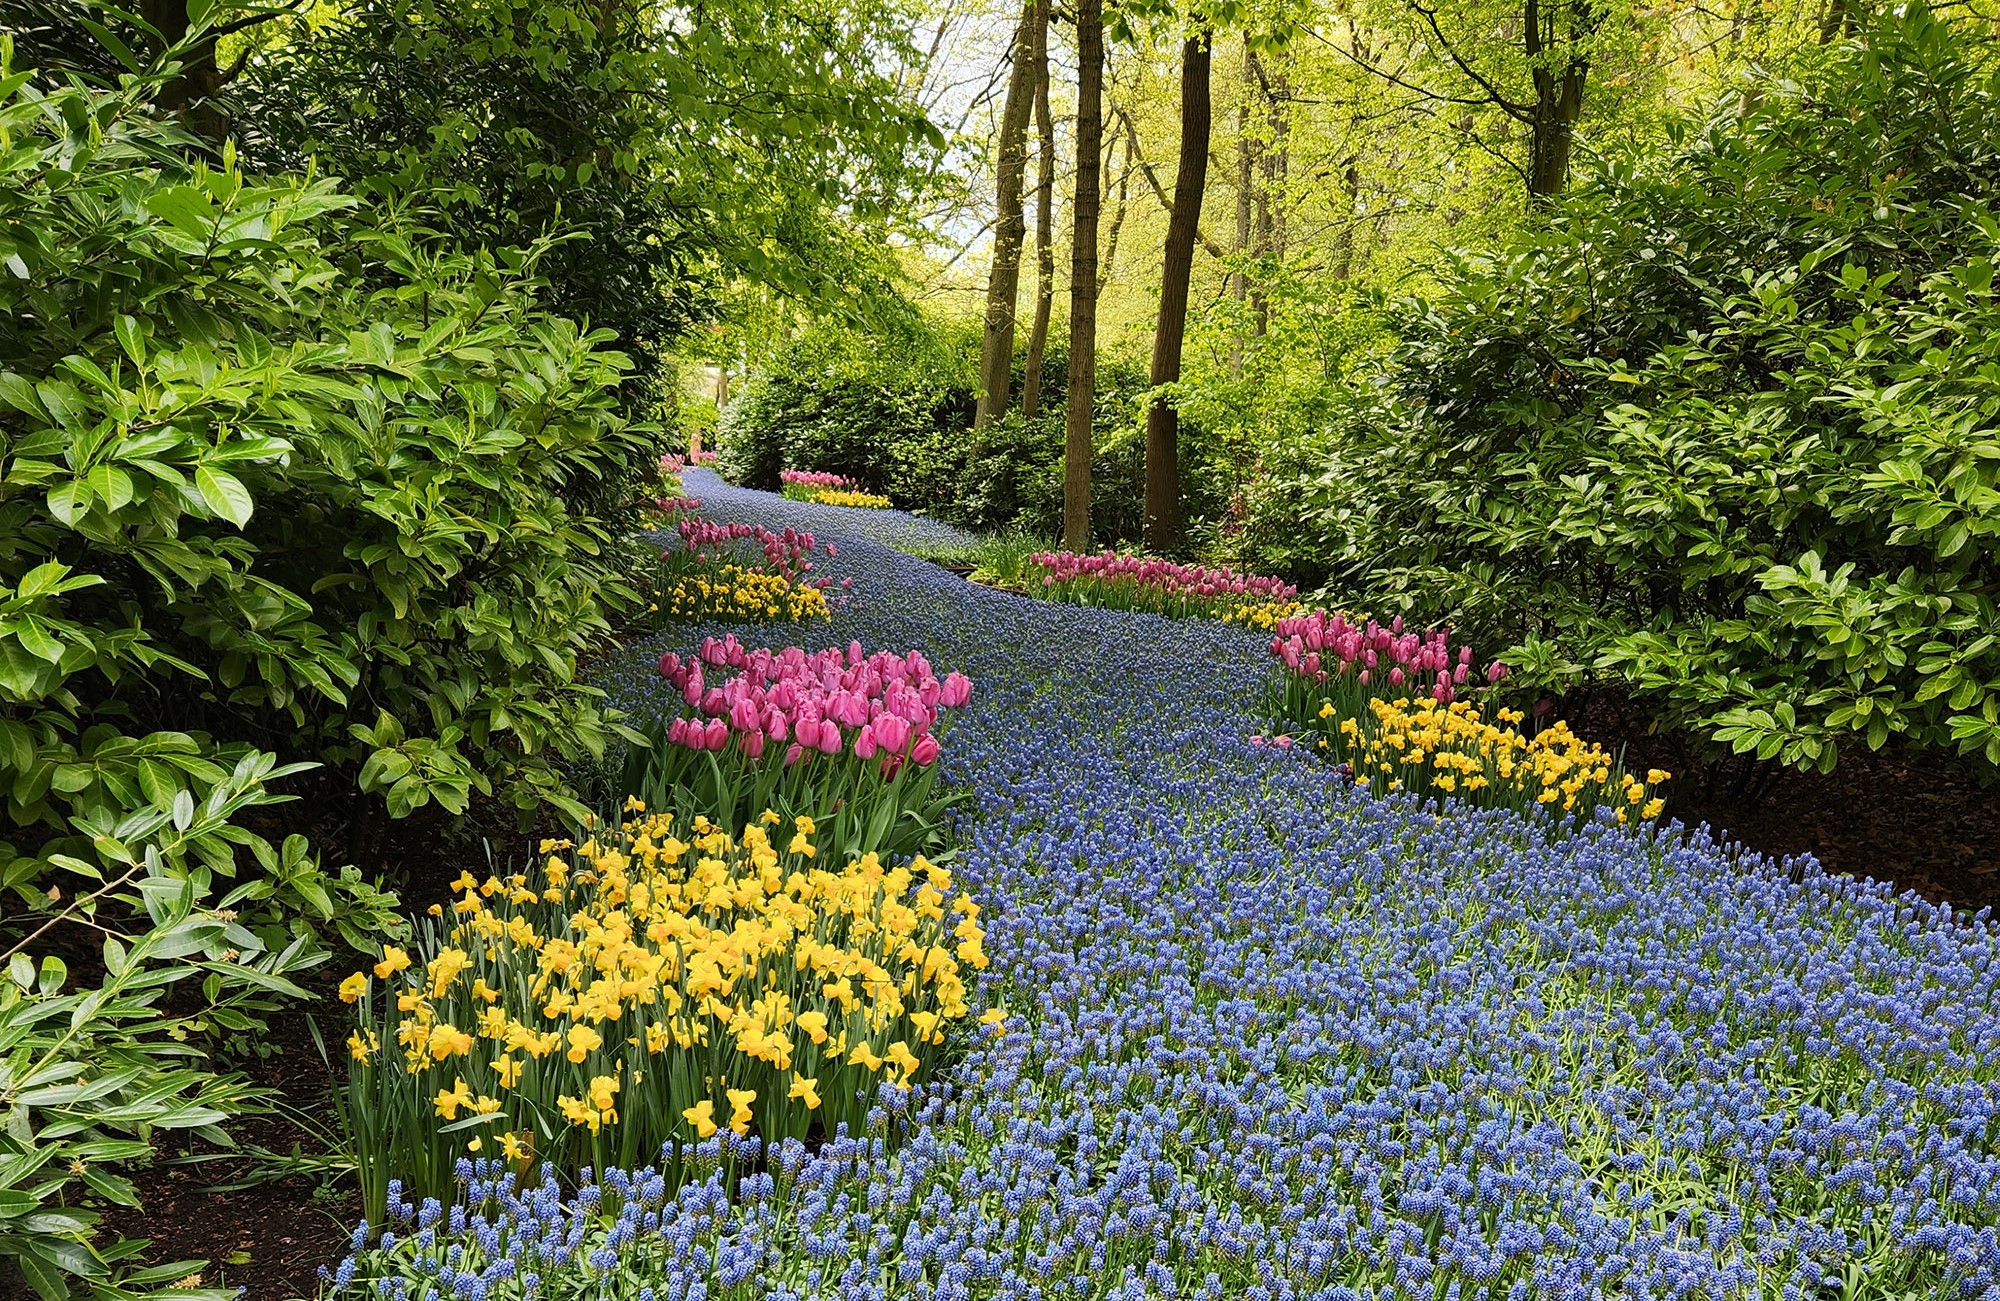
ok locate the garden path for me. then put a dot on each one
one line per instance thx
(1272, 1038)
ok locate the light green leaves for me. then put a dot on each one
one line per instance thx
(224, 493)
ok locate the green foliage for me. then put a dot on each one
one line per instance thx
(895, 412)
(871, 408)
(1724, 429)
(309, 502)
(281, 477)
(683, 150)
(91, 1074)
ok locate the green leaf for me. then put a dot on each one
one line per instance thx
(224, 493)
(130, 338)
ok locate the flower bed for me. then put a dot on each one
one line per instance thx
(1382, 701)
(827, 489)
(648, 988)
(840, 736)
(1273, 1037)
(1110, 581)
(733, 570)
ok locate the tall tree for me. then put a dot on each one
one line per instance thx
(1003, 281)
(1083, 274)
(1163, 478)
(1246, 165)
(1558, 40)
(1045, 249)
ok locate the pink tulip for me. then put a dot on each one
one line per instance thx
(924, 752)
(892, 733)
(752, 744)
(956, 691)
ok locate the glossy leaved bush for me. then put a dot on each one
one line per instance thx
(1722, 430)
(277, 477)
(285, 483)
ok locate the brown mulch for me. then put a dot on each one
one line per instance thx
(272, 1236)
(1919, 821)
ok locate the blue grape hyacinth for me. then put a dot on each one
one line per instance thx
(1272, 1038)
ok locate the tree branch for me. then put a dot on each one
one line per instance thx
(1135, 154)
(1522, 112)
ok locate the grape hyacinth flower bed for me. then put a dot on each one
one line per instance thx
(1272, 1037)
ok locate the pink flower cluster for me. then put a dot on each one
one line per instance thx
(815, 479)
(786, 552)
(1321, 645)
(704, 458)
(672, 463)
(1200, 581)
(881, 706)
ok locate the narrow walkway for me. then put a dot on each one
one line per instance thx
(1276, 1040)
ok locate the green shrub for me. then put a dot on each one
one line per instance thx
(93, 1073)
(1722, 429)
(896, 416)
(283, 483)
(843, 403)
(279, 473)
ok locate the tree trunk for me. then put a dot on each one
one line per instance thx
(1045, 189)
(1163, 474)
(1278, 158)
(1107, 260)
(1258, 87)
(1246, 172)
(190, 96)
(1083, 274)
(1003, 282)
(1558, 96)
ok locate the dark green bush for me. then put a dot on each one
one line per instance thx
(284, 482)
(896, 415)
(839, 401)
(1723, 430)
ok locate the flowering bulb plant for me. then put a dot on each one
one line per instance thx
(733, 570)
(746, 595)
(807, 479)
(663, 501)
(1432, 747)
(841, 497)
(829, 489)
(1110, 581)
(846, 738)
(655, 984)
(1262, 616)
(1329, 658)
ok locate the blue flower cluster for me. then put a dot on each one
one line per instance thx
(1270, 1038)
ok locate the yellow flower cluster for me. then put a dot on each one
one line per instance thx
(737, 593)
(1428, 747)
(666, 981)
(1262, 615)
(843, 497)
